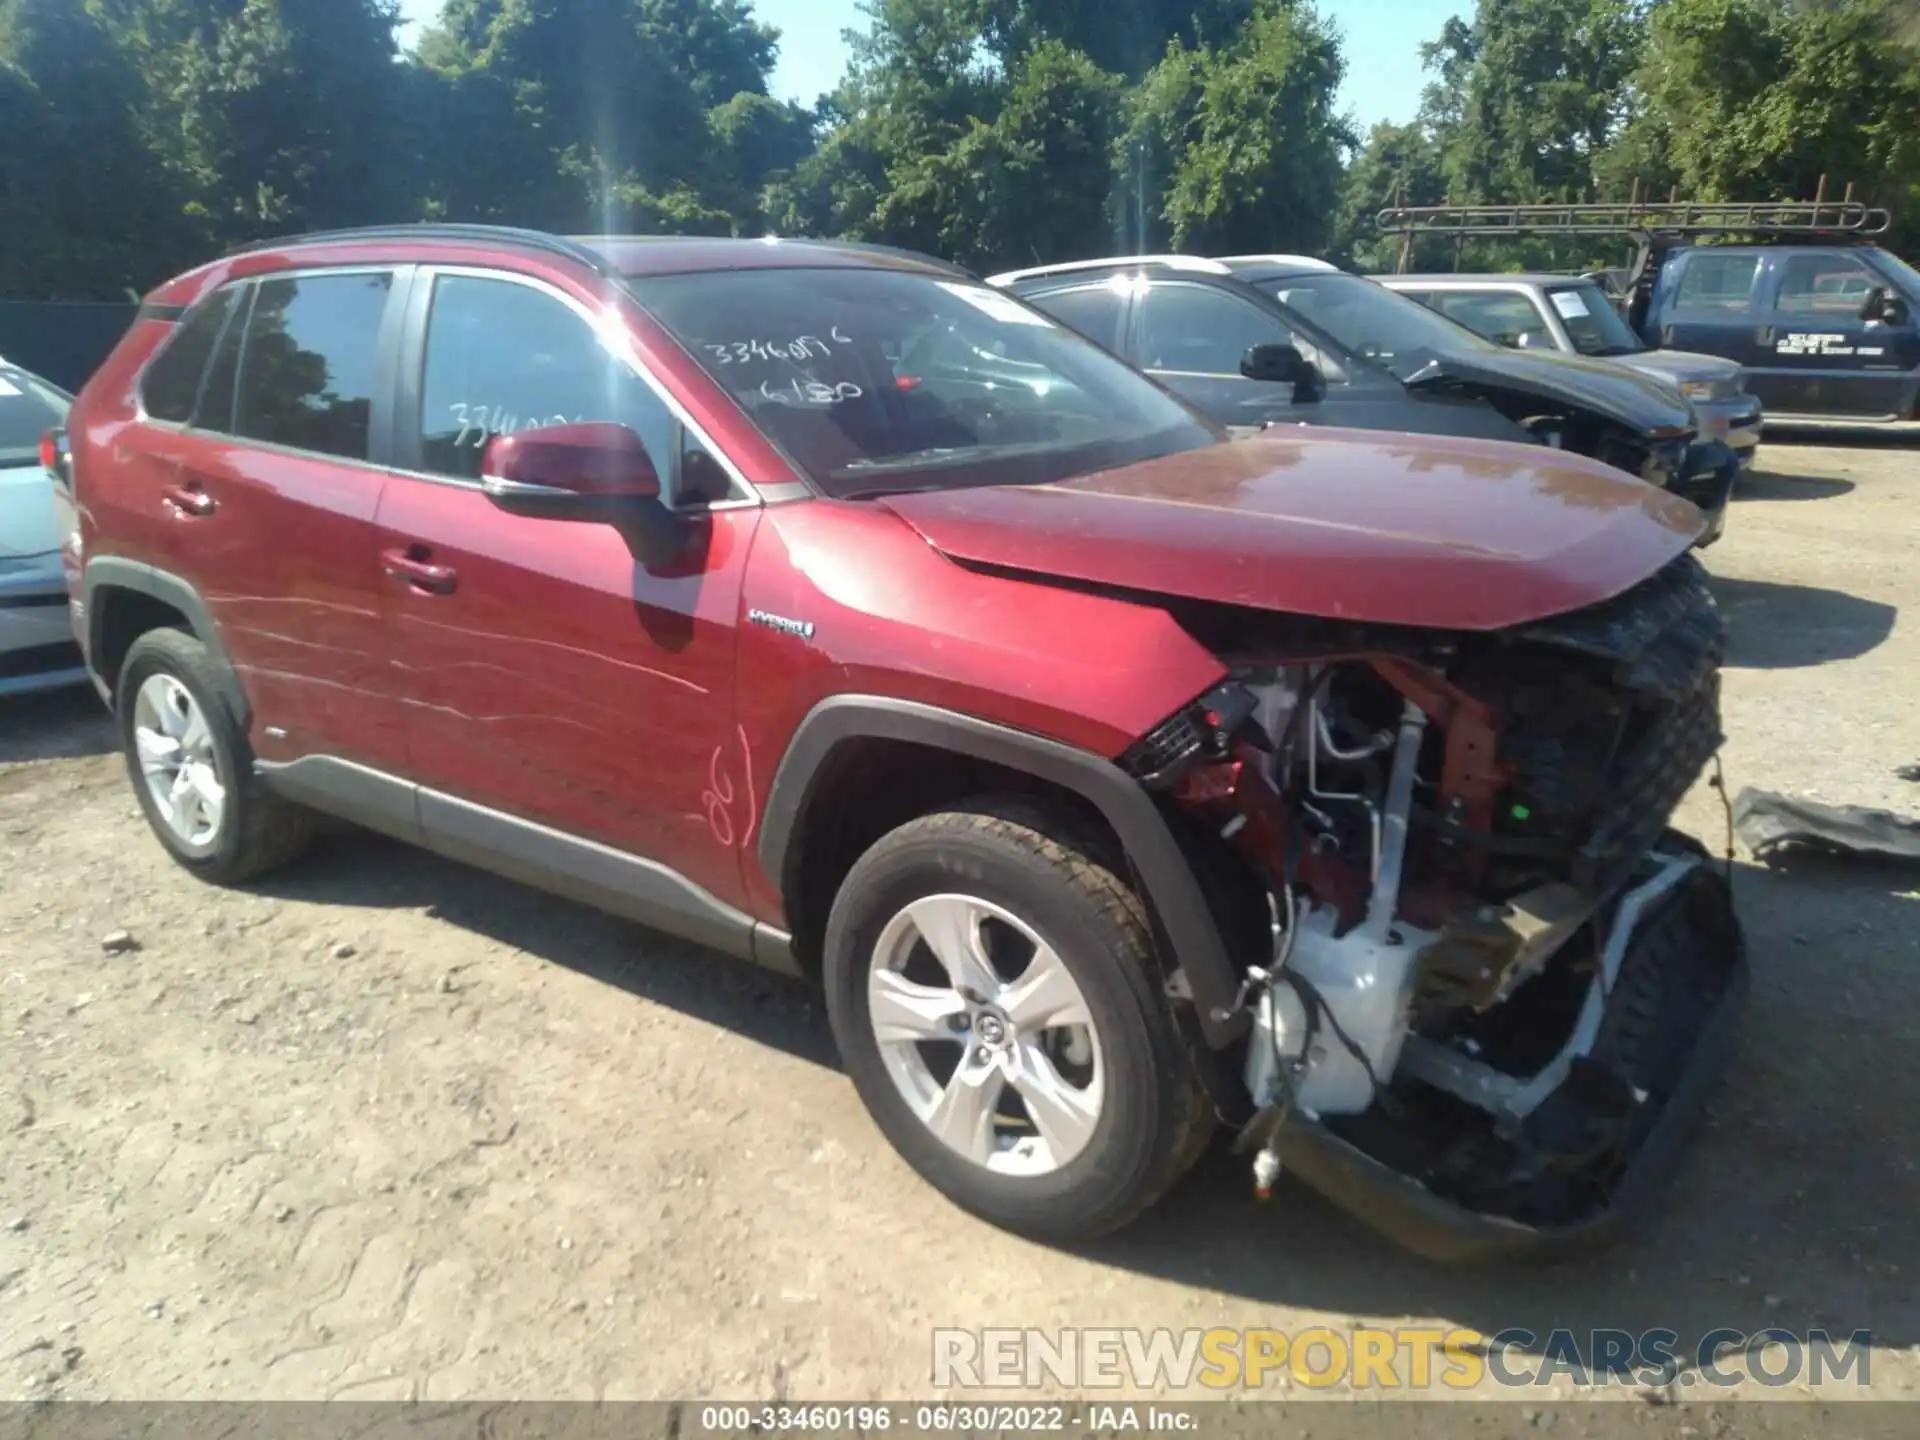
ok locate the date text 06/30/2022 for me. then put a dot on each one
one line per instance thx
(940, 1419)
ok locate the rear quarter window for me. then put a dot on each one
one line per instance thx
(171, 386)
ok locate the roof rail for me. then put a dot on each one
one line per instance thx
(1829, 219)
(431, 230)
(1305, 262)
(1113, 262)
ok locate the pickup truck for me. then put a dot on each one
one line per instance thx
(1823, 331)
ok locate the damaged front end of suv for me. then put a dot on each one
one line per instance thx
(1491, 980)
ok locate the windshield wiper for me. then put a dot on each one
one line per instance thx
(910, 461)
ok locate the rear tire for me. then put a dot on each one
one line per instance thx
(1092, 1109)
(192, 769)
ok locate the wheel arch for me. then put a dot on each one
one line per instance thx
(124, 599)
(810, 782)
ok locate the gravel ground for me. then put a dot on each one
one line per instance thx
(384, 1127)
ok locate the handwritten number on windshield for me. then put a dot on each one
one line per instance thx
(797, 351)
(809, 392)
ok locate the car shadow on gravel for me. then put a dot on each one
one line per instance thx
(1771, 626)
(57, 725)
(1903, 436)
(356, 868)
(1793, 1206)
(1769, 485)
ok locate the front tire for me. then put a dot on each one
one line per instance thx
(192, 769)
(992, 987)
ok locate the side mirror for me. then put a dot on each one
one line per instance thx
(597, 472)
(1283, 364)
(1882, 304)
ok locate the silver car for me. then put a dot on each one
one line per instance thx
(37, 649)
(1561, 312)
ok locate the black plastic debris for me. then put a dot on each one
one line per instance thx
(1767, 822)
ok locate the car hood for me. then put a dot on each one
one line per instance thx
(1343, 524)
(1680, 364)
(1642, 405)
(28, 525)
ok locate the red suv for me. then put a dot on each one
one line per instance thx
(821, 604)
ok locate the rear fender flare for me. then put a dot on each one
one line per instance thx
(111, 572)
(1164, 872)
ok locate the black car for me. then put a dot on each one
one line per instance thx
(1275, 339)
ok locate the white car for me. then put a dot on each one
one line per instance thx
(37, 649)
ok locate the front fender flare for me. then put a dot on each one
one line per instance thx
(1164, 873)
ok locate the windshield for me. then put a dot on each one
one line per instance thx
(28, 409)
(1376, 322)
(1902, 271)
(1594, 326)
(875, 381)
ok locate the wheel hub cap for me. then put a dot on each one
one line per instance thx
(174, 746)
(984, 1032)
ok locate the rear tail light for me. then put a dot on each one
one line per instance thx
(56, 457)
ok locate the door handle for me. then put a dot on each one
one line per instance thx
(413, 566)
(190, 500)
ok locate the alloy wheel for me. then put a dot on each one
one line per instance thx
(984, 1031)
(177, 761)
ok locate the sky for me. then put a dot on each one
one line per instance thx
(1383, 39)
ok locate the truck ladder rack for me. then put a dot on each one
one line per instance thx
(1807, 220)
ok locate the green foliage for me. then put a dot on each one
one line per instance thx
(69, 101)
(1245, 136)
(1126, 39)
(1398, 165)
(146, 135)
(1758, 99)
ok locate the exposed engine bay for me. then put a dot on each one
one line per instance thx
(1475, 953)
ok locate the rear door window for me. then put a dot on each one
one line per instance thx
(1720, 284)
(1094, 310)
(307, 373)
(172, 383)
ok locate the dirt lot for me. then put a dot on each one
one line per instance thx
(387, 1127)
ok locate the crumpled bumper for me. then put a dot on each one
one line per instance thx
(1707, 478)
(1405, 1210)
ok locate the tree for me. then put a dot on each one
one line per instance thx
(1530, 94)
(1241, 141)
(267, 115)
(82, 210)
(1127, 39)
(1398, 165)
(1759, 99)
(615, 114)
(1031, 184)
